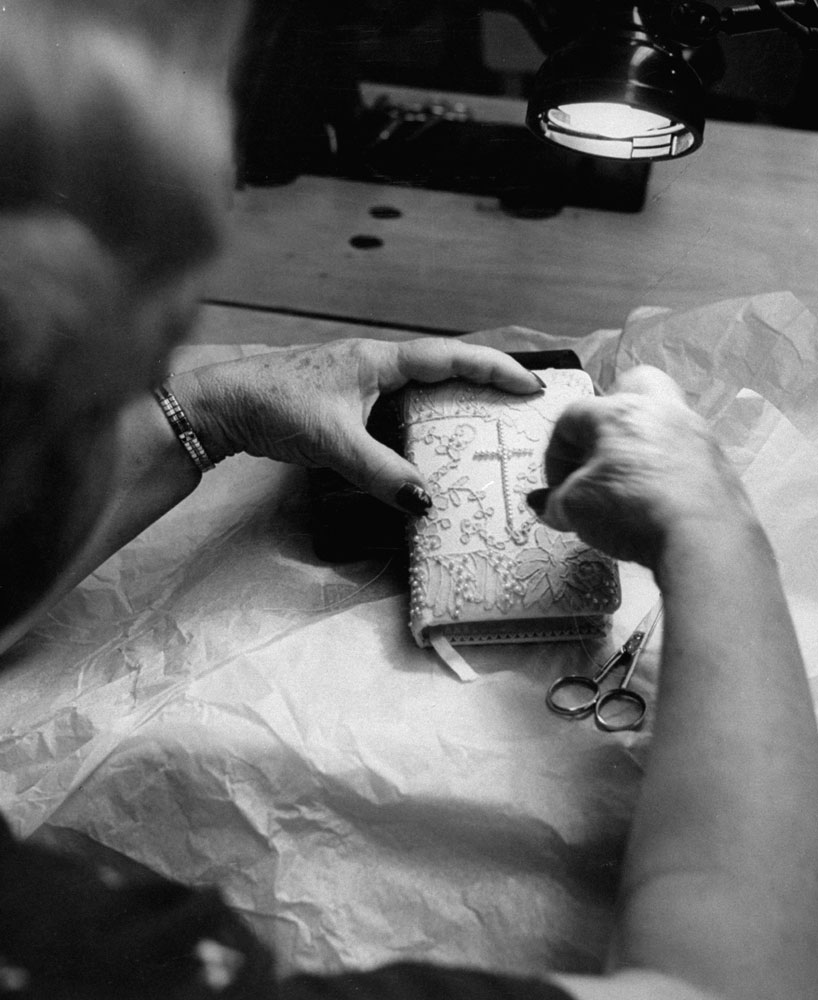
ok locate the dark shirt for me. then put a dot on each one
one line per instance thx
(71, 930)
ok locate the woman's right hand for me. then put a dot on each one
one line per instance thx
(626, 469)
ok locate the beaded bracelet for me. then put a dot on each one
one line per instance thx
(181, 425)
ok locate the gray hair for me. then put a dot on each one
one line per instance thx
(115, 158)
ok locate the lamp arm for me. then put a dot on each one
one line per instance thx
(740, 20)
(694, 22)
(691, 22)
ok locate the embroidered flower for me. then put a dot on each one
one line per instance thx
(591, 580)
(451, 445)
(557, 572)
(541, 571)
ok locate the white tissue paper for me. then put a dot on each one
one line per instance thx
(217, 704)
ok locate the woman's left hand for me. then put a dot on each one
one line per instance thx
(309, 405)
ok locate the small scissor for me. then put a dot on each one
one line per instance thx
(619, 708)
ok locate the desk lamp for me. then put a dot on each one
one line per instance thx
(623, 89)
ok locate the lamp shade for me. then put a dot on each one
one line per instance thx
(620, 94)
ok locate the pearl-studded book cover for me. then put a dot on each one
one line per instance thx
(482, 567)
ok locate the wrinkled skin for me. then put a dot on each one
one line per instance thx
(309, 405)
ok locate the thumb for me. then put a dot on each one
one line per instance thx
(383, 473)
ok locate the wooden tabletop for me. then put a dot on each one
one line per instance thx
(736, 218)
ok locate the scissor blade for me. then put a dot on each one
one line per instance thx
(640, 636)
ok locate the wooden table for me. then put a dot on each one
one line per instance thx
(736, 218)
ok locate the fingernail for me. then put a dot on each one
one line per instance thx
(413, 499)
(537, 377)
(537, 500)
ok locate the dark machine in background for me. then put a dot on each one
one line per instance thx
(300, 108)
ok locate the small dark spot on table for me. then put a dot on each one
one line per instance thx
(385, 212)
(363, 242)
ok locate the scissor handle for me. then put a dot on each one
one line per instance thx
(576, 681)
(627, 699)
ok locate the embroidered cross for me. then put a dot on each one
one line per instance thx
(503, 454)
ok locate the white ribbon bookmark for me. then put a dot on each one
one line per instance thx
(453, 660)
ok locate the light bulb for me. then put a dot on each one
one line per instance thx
(609, 119)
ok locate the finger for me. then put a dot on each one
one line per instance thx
(649, 381)
(554, 514)
(437, 359)
(573, 439)
(382, 472)
(548, 504)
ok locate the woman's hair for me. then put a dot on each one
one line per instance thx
(115, 163)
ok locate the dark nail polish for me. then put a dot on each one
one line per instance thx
(537, 377)
(537, 500)
(413, 499)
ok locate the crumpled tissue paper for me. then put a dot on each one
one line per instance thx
(216, 703)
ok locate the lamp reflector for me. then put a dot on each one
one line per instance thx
(619, 91)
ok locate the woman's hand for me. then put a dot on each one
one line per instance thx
(626, 469)
(309, 405)
(727, 820)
